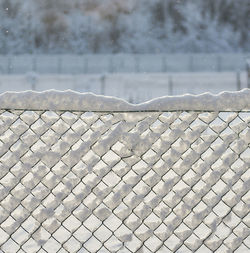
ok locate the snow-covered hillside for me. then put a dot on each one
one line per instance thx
(131, 26)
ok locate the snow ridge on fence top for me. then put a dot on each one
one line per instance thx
(74, 101)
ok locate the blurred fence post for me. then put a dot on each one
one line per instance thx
(103, 84)
(34, 63)
(170, 85)
(32, 80)
(59, 65)
(164, 64)
(248, 72)
(9, 65)
(137, 63)
(238, 81)
(111, 65)
(219, 63)
(122, 65)
(191, 63)
(86, 65)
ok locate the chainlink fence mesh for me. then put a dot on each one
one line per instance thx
(73, 181)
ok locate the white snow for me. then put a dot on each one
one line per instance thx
(74, 101)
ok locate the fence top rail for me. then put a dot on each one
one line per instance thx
(73, 101)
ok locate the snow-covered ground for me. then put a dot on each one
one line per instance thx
(135, 88)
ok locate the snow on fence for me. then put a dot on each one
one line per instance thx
(122, 63)
(87, 173)
(135, 88)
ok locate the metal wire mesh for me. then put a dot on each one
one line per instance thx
(124, 182)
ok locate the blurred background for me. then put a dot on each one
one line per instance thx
(133, 49)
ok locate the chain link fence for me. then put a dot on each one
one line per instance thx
(122, 63)
(75, 181)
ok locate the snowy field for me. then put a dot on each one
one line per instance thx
(131, 87)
